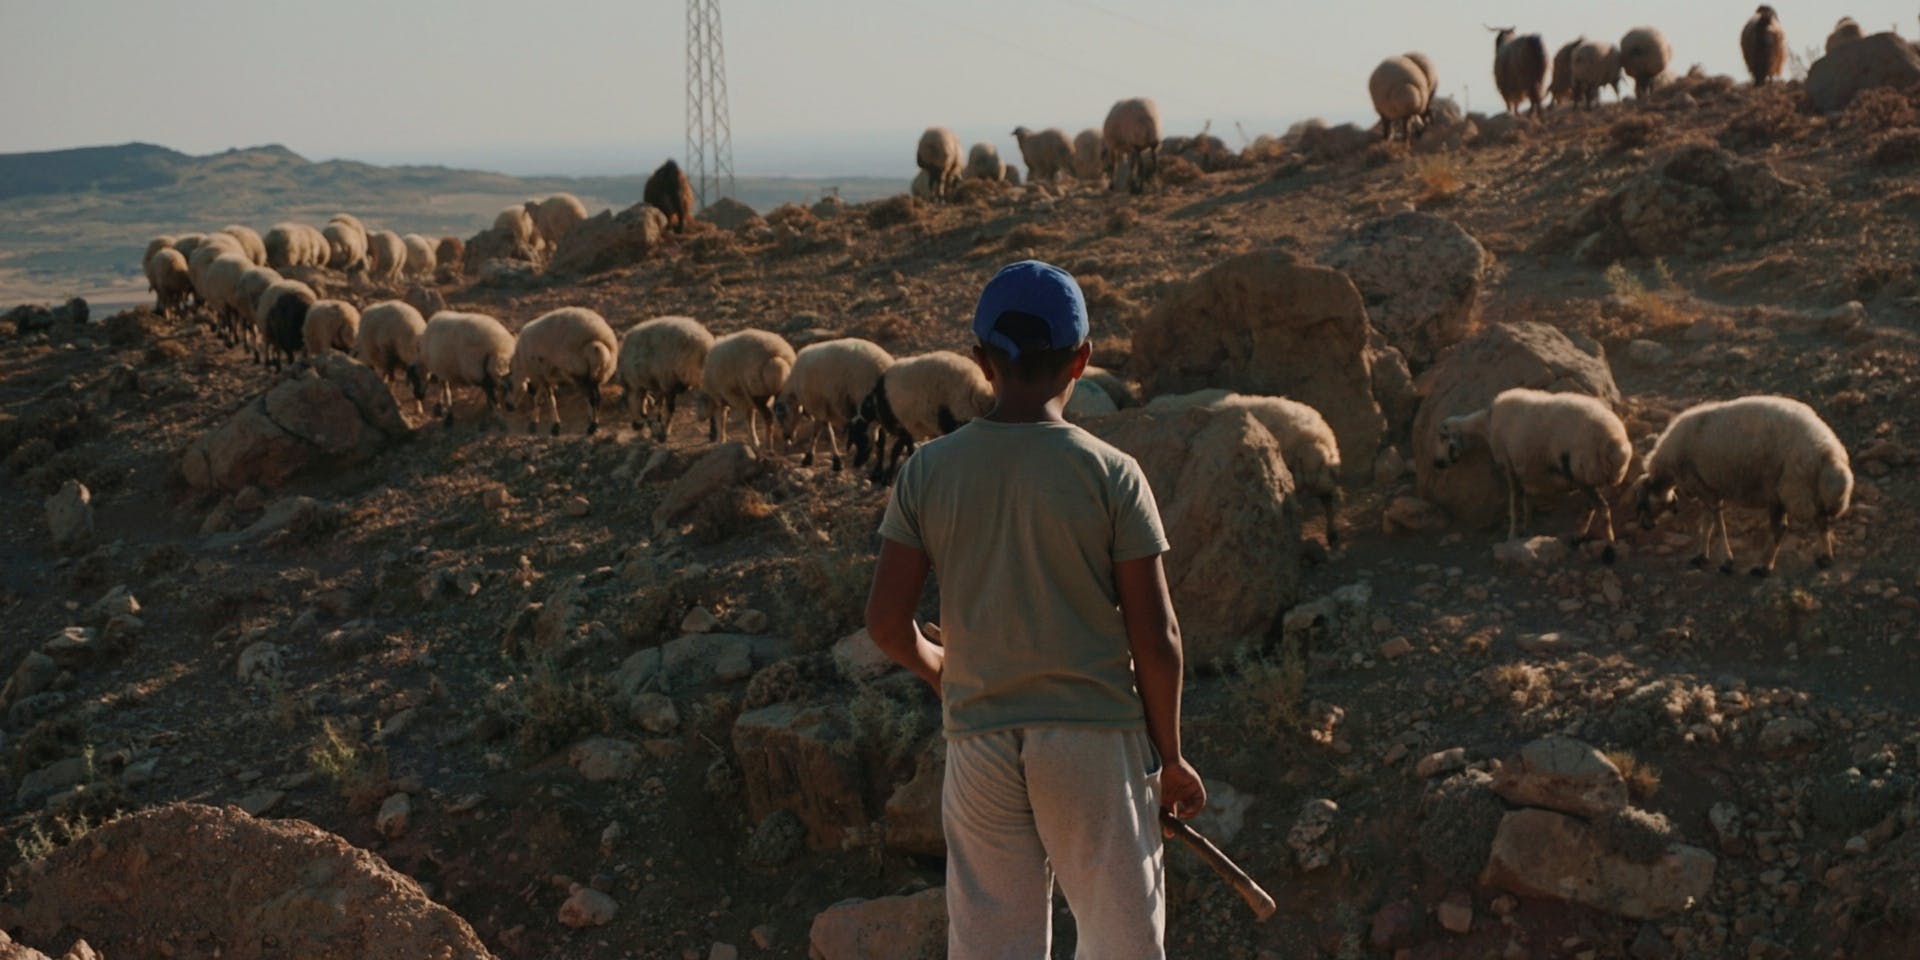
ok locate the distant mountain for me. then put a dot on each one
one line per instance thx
(132, 166)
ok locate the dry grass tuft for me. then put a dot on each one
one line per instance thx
(1035, 236)
(356, 768)
(1775, 114)
(1266, 690)
(1179, 171)
(1265, 148)
(1633, 132)
(1439, 175)
(1643, 779)
(1650, 307)
(1880, 109)
(1521, 684)
(1897, 149)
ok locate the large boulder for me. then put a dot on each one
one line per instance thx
(170, 880)
(1541, 853)
(803, 759)
(70, 515)
(609, 240)
(1882, 60)
(726, 465)
(914, 824)
(1420, 276)
(1225, 495)
(730, 214)
(1497, 358)
(1694, 201)
(336, 411)
(1264, 323)
(887, 928)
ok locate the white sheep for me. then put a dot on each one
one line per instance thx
(1430, 72)
(186, 242)
(1399, 90)
(250, 242)
(389, 342)
(420, 257)
(983, 162)
(556, 216)
(209, 249)
(167, 276)
(331, 325)
(353, 225)
(1546, 443)
(282, 315)
(1644, 55)
(1772, 453)
(346, 245)
(745, 370)
(1132, 135)
(918, 398)
(938, 156)
(157, 244)
(569, 346)
(253, 283)
(1596, 64)
(464, 350)
(386, 256)
(517, 224)
(1845, 32)
(220, 282)
(828, 381)
(1089, 155)
(1307, 443)
(1047, 153)
(286, 245)
(660, 359)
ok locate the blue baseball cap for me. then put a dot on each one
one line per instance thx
(1031, 306)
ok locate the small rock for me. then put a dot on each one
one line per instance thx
(577, 506)
(1531, 554)
(1396, 925)
(1725, 820)
(260, 802)
(396, 814)
(762, 936)
(1552, 642)
(1396, 648)
(1544, 853)
(655, 712)
(723, 951)
(117, 602)
(1787, 734)
(1649, 353)
(887, 928)
(1412, 516)
(751, 621)
(70, 515)
(1561, 773)
(260, 663)
(601, 759)
(699, 620)
(1311, 836)
(859, 660)
(496, 497)
(72, 647)
(1444, 761)
(587, 907)
(1456, 912)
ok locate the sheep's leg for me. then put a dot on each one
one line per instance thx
(1330, 503)
(593, 408)
(1825, 559)
(666, 417)
(833, 444)
(717, 423)
(553, 403)
(636, 409)
(1513, 505)
(1726, 544)
(1603, 510)
(446, 401)
(1776, 531)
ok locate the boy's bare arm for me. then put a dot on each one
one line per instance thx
(1153, 636)
(898, 577)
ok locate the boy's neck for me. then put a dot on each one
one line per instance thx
(1020, 403)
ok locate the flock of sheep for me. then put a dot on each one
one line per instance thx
(1124, 153)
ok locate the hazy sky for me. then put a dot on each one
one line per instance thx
(596, 86)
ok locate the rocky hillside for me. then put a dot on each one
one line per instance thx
(598, 696)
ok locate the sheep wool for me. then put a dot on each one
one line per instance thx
(1399, 90)
(282, 315)
(346, 246)
(250, 242)
(156, 245)
(389, 341)
(167, 275)
(1560, 88)
(660, 359)
(420, 259)
(1047, 153)
(187, 242)
(1089, 155)
(1520, 69)
(571, 346)
(331, 325)
(1596, 64)
(517, 225)
(745, 370)
(386, 256)
(1432, 75)
(464, 350)
(1132, 135)
(983, 162)
(1644, 56)
(1307, 444)
(221, 281)
(938, 156)
(252, 284)
(668, 191)
(826, 386)
(918, 398)
(1546, 443)
(556, 216)
(1763, 44)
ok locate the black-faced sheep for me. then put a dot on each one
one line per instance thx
(938, 156)
(1844, 32)
(386, 256)
(1560, 88)
(420, 259)
(250, 242)
(1132, 136)
(1089, 156)
(745, 371)
(1596, 64)
(1399, 91)
(668, 191)
(282, 314)
(660, 359)
(918, 398)
(556, 216)
(167, 276)
(1644, 56)
(464, 350)
(826, 386)
(389, 342)
(1047, 153)
(1771, 453)
(983, 163)
(569, 346)
(331, 325)
(1763, 44)
(1546, 443)
(1520, 70)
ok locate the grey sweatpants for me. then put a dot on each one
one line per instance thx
(1023, 806)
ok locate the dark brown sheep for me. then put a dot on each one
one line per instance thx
(669, 192)
(1520, 69)
(1763, 42)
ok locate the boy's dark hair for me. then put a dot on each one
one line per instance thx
(1038, 360)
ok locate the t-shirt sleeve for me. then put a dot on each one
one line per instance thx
(1136, 518)
(901, 523)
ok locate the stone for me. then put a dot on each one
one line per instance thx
(261, 802)
(1881, 60)
(1536, 555)
(118, 602)
(1225, 814)
(1263, 323)
(886, 928)
(699, 620)
(577, 506)
(1395, 648)
(70, 516)
(261, 663)
(752, 621)
(914, 825)
(1499, 357)
(723, 951)
(1649, 353)
(695, 661)
(604, 759)
(730, 214)
(1542, 853)
(1455, 912)
(425, 299)
(777, 840)
(1395, 925)
(51, 779)
(1783, 735)
(726, 465)
(1695, 200)
(803, 758)
(491, 251)
(1443, 761)
(859, 660)
(1650, 944)
(336, 412)
(72, 647)
(1311, 836)
(1420, 276)
(1725, 820)
(35, 673)
(587, 907)
(607, 241)
(655, 712)
(1224, 494)
(1412, 516)
(1561, 773)
(287, 520)
(1393, 388)
(396, 814)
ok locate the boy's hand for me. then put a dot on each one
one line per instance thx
(1181, 791)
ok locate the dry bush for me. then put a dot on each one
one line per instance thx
(1648, 307)
(1265, 148)
(1108, 300)
(1897, 149)
(1179, 171)
(885, 329)
(548, 710)
(1034, 235)
(828, 595)
(1880, 109)
(793, 216)
(1266, 690)
(1775, 114)
(1438, 175)
(1643, 779)
(1633, 132)
(723, 515)
(977, 192)
(1122, 220)
(1640, 836)
(357, 769)
(1521, 684)
(1462, 816)
(893, 211)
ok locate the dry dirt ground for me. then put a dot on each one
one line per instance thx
(411, 661)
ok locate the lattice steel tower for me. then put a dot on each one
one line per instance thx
(709, 138)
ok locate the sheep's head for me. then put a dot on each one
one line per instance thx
(1652, 499)
(1020, 134)
(1500, 36)
(1766, 14)
(1453, 443)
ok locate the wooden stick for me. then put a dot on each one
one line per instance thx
(1261, 902)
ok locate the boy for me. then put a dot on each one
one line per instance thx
(1061, 666)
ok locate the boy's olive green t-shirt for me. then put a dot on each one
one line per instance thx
(1023, 523)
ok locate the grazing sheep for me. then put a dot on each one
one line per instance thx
(660, 359)
(1432, 75)
(1560, 88)
(220, 283)
(668, 191)
(250, 242)
(186, 242)
(346, 246)
(571, 345)
(420, 259)
(1596, 64)
(282, 315)
(983, 163)
(745, 370)
(1546, 443)
(253, 283)
(1844, 32)
(1520, 70)
(331, 325)
(1089, 155)
(918, 398)
(1132, 136)
(828, 382)
(386, 256)
(1047, 153)
(295, 245)
(1644, 55)
(1306, 443)
(389, 341)
(450, 251)
(517, 225)
(463, 350)
(556, 216)
(938, 156)
(1399, 91)
(315, 246)
(1763, 44)
(353, 224)
(203, 256)
(1772, 453)
(1010, 174)
(156, 245)
(167, 277)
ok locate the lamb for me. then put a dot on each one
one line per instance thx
(331, 325)
(1596, 64)
(1546, 443)
(1561, 86)
(250, 242)
(1844, 32)
(1432, 75)
(1046, 153)
(1089, 155)
(1763, 44)
(828, 382)
(660, 359)
(668, 191)
(1757, 451)
(983, 162)
(420, 259)
(346, 246)
(745, 370)
(167, 276)
(918, 398)
(1520, 70)
(1399, 91)
(1644, 55)
(464, 350)
(556, 216)
(386, 256)
(389, 341)
(938, 156)
(282, 315)
(571, 345)
(1132, 135)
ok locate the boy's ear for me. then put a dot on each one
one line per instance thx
(1081, 358)
(986, 365)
